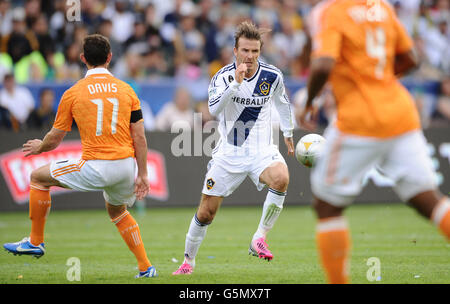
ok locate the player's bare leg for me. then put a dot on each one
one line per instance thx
(434, 206)
(129, 230)
(39, 207)
(197, 230)
(333, 241)
(276, 177)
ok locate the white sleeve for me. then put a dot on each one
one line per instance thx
(220, 94)
(284, 109)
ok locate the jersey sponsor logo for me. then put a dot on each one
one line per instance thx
(210, 183)
(16, 170)
(251, 101)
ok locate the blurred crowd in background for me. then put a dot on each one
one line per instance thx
(187, 40)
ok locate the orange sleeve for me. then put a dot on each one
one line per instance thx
(64, 119)
(404, 43)
(326, 33)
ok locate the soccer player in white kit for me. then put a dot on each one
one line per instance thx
(241, 96)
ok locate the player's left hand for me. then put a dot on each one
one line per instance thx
(141, 187)
(289, 141)
(307, 118)
(31, 147)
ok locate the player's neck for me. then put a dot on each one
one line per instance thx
(90, 67)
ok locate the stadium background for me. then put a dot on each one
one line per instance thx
(162, 47)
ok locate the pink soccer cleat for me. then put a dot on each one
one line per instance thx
(260, 249)
(185, 268)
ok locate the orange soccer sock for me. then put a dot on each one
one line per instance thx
(441, 216)
(334, 246)
(39, 207)
(129, 230)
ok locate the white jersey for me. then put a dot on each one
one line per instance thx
(244, 110)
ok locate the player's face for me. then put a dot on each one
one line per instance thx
(248, 52)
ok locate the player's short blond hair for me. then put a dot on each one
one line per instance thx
(250, 31)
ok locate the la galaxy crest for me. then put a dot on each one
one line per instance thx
(210, 183)
(264, 88)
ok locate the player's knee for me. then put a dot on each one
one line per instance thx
(280, 182)
(36, 176)
(206, 215)
(325, 210)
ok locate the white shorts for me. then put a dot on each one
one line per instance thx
(338, 175)
(114, 177)
(226, 173)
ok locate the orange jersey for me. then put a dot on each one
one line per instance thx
(363, 36)
(101, 106)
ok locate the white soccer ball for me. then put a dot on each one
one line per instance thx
(308, 149)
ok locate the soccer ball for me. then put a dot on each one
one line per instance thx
(308, 149)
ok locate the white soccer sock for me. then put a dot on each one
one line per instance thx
(194, 238)
(271, 210)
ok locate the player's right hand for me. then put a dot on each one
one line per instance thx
(240, 72)
(141, 187)
(32, 147)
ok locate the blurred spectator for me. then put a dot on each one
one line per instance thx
(43, 117)
(138, 40)
(20, 42)
(6, 65)
(32, 11)
(204, 23)
(129, 66)
(5, 121)
(90, 14)
(45, 41)
(226, 56)
(6, 16)
(57, 22)
(264, 10)
(72, 69)
(155, 65)
(17, 100)
(178, 110)
(105, 28)
(122, 20)
(290, 43)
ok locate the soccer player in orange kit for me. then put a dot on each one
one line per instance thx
(361, 47)
(109, 118)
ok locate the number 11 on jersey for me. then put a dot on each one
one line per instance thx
(115, 113)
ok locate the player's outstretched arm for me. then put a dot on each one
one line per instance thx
(321, 68)
(51, 140)
(141, 186)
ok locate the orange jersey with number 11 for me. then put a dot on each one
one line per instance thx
(101, 106)
(364, 37)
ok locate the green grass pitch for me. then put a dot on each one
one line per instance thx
(409, 248)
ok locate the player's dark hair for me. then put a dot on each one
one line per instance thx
(250, 31)
(96, 49)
